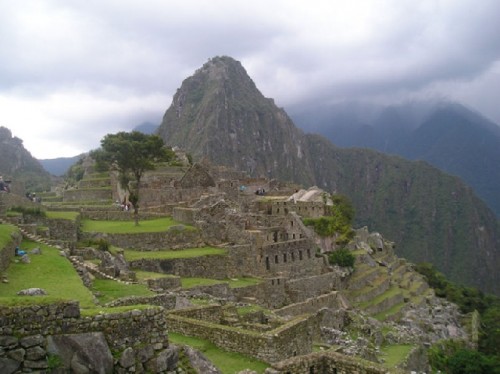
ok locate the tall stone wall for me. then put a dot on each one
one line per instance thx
(24, 332)
(294, 257)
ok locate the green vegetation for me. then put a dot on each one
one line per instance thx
(29, 211)
(132, 154)
(131, 255)
(49, 271)
(128, 227)
(227, 362)
(108, 290)
(5, 234)
(342, 257)
(337, 220)
(62, 215)
(453, 357)
(395, 354)
(469, 299)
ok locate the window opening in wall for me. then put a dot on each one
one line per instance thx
(276, 259)
(284, 257)
(275, 236)
(278, 281)
(308, 252)
(293, 256)
(291, 223)
(268, 266)
(272, 282)
(300, 255)
(293, 236)
(311, 370)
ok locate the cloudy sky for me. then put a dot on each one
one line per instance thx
(72, 71)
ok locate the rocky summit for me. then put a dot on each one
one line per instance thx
(219, 114)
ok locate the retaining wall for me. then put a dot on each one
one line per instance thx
(24, 332)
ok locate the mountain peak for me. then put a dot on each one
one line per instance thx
(220, 114)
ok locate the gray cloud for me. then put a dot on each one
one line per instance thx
(73, 71)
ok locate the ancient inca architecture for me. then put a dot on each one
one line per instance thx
(296, 312)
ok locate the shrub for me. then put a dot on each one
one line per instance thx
(342, 257)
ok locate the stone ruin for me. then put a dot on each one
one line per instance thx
(300, 298)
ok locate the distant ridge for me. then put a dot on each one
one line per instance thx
(445, 134)
(59, 166)
(219, 113)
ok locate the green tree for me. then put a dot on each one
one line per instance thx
(131, 154)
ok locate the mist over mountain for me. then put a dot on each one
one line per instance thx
(447, 135)
(146, 128)
(219, 113)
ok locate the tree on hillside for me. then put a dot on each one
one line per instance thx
(131, 154)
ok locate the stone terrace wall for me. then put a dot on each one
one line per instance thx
(116, 214)
(8, 251)
(63, 229)
(288, 340)
(99, 194)
(121, 329)
(239, 261)
(175, 237)
(327, 363)
(24, 331)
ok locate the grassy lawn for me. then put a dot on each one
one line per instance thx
(395, 354)
(5, 232)
(49, 271)
(227, 362)
(131, 255)
(62, 215)
(128, 227)
(233, 282)
(109, 290)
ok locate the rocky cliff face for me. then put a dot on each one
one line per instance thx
(219, 113)
(17, 164)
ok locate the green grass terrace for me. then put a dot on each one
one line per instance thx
(129, 227)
